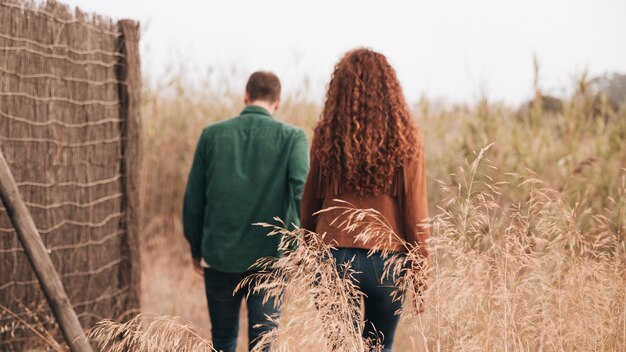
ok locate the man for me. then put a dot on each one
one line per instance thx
(246, 170)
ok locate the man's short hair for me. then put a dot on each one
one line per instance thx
(263, 85)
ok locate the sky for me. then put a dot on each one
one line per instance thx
(450, 50)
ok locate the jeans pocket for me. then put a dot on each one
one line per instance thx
(385, 275)
(378, 267)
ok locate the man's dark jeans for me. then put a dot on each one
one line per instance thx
(224, 306)
(380, 308)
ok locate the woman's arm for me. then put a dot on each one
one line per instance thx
(311, 202)
(415, 204)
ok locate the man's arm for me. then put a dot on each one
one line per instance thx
(195, 200)
(298, 168)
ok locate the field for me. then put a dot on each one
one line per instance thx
(528, 239)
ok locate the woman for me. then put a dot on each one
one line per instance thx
(367, 151)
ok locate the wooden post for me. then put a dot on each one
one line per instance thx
(129, 90)
(38, 256)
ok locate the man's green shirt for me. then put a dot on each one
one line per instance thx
(248, 169)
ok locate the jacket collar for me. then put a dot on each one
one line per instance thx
(255, 109)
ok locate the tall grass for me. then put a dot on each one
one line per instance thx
(524, 276)
(527, 239)
(145, 333)
(506, 279)
(317, 299)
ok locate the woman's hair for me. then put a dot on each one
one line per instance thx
(366, 132)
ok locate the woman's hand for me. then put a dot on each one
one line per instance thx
(419, 304)
(421, 273)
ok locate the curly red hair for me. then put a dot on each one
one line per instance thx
(366, 132)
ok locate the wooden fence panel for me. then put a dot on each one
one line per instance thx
(71, 133)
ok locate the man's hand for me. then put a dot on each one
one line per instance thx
(197, 266)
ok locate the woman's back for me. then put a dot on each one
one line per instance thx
(404, 207)
(367, 151)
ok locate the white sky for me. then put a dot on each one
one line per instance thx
(450, 49)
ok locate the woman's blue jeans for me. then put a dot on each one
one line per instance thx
(224, 305)
(380, 308)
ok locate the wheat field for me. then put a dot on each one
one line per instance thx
(528, 238)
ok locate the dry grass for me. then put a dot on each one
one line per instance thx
(317, 298)
(34, 325)
(146, 333)
(528, 237)
(514, 279)
(525, 276)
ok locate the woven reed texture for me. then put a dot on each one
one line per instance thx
(70, 130)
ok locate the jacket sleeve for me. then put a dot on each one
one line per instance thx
(311, 202)
(195, 200)
(297, 168)
(415, 204)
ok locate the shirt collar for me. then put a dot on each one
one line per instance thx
(255, 109)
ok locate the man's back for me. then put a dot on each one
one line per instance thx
(247, 169)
